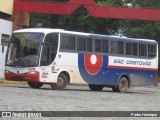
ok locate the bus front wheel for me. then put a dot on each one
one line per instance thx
(96, 87)
(61, 83)
(35, 84)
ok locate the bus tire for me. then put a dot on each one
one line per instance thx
(35, 84)
(95, 87)
(61, 83)
(123, 85)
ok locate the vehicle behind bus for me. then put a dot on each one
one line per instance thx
(58, 57)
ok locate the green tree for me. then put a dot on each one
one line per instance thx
(141, 28)
(81, 20)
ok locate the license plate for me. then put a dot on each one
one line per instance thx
(18, 78)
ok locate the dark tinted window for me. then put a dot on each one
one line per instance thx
(82, 44)
(49, 49)
(128, 48)
(89, 44)
(98, 45)
(143, 50)
(117, 47)
(114, 49)
(131, 49)
(120, 47)
(64, 42)
(72, 42)
(151, 51)
(105, 46)
(135, 49)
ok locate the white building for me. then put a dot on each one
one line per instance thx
(6, 9)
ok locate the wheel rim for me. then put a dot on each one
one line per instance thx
(123, 85)
(60, 81)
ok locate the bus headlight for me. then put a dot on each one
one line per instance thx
(6, 71)
(33, 72)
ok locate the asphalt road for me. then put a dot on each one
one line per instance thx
(20, 97)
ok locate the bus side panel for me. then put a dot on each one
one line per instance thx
(68, 62)
(109, 71)
(136, 77)
(97, 73)
(143, 77)
(140, 71)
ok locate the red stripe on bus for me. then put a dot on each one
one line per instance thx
(133, 68)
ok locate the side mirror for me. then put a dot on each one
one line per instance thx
(46, 44)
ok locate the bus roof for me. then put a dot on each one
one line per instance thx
(110, 37)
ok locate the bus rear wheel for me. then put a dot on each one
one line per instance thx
(123, 85)
(35, 84)
(96, 87)
(61, 83)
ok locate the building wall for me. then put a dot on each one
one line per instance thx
(9, 21)
(5, 30)
(6, 6)
(5, 27)
(6, 11)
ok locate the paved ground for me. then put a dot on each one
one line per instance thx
(20, 97)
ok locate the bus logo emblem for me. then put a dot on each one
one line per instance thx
(45, 75)
(93, 63)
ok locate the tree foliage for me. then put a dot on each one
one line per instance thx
(81, 20)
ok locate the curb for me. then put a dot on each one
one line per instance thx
(11, 82)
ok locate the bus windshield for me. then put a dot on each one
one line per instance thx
(24, 49)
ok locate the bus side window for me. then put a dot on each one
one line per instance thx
(45, 55)
(98, 45)
(128, 48)
(117, 47)
(64, 42)
(82, 44)
(72, 42)
(49, 49)
(142, 50)
(151, 51)
(120, 47)
(89, 45)
(105, 46)
(131, 48)
(114, 48)
(135, 49)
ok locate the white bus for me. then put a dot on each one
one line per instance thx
(58, 57)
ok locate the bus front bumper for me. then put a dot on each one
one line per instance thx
(23, 77)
